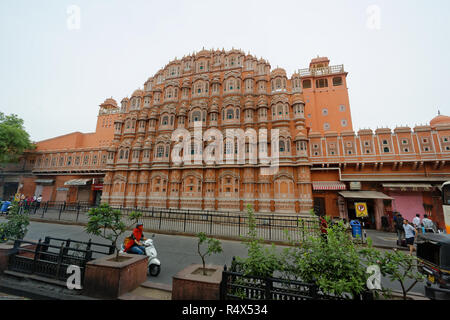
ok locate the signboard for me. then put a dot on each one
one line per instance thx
(361, 209)
(355, 185)
(62, 189)
(97, 187)
(17, 197)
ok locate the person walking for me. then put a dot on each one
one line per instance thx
(400, 230)
(428, 224)
(416, 221)
(410, 235)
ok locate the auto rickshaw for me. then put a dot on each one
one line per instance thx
(433, 253)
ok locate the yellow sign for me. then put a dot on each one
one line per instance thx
(17, 197)
(361, 209)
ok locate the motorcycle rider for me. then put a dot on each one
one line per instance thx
(135, 246)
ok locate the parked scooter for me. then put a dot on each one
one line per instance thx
(154, 265)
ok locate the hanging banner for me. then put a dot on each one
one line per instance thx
(361, 209)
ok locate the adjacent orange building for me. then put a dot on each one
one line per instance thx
(323, 164)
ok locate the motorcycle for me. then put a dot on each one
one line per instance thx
(154, 265)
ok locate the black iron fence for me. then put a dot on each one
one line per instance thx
(51, 258)
(235, 285)
(233, 225)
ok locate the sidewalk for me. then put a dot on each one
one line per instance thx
(383, 239)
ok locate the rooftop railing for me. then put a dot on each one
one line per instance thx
(321, 71)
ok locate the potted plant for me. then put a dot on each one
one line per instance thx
(199, 282)
(14, 229)
(114, 275)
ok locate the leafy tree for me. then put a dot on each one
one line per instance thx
(397, 265)
(334, 263)
(213, 247)
(105, 218)
(16, 227)
(14, 140)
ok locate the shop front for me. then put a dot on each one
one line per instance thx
(44, 188)
(367, 206)
(79, 190)
(325, 197)
(410, 198)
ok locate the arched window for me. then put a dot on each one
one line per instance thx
(281, 146)
(278, 84)
(165, 120)
(121, 154)
(237, 113)
(160, 151)
(230, 113)
(196, 116)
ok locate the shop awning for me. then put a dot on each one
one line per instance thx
(408, 186)
(77, 182)
(328, 185)
(44, 180)
(365, 195)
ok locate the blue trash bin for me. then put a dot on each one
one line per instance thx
(356, 228)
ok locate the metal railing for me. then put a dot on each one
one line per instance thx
(237, 286)
(51, 260)
(232, 225)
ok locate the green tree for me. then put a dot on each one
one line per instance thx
(14, 140)
(213, 247)
(334, 264)
(261, 261)
(104, 218)
(397, 266)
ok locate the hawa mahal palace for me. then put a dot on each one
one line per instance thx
(323, 165)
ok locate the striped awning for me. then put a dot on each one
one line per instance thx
(328, 185)
(77, 182)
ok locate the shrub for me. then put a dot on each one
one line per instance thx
(261, 261)
(16, 227)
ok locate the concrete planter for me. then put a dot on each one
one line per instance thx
(105, 278)
(191, 284)
(7, 249)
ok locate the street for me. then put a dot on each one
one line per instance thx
(175, 252)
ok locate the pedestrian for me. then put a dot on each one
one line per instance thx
(416, 221)
(410, 234)
(400, 229)
(428, 224)
(385, 223)
(323, 228)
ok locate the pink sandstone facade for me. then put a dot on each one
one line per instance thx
(323, 163)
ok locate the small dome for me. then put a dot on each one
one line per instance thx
(278, 72)
(138, 93)
(109, 102)
(440, 119)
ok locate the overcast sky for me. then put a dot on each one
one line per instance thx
(55, 69)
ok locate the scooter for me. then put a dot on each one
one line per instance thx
(154, 265)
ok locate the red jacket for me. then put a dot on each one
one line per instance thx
(135, 236)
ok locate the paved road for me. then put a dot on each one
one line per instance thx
(175, 252)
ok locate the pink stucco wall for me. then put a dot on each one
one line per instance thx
(408, 204)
